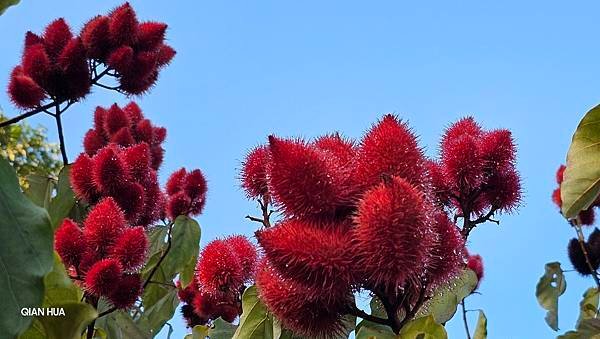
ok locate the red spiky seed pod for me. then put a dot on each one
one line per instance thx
(121, 59)
(254, 172)
(144, 131)
(137, 158)
(247, 254)
(392, 234)
(194, 185)
(69, 243)
(36, 63)
(190, 316)
(556, 199)
(160, 134)
(587, 217)
(114, 120)
(465, 126)
(164, 55)
(81, 179)
(123, 137)
(207, 306)
(390, 149)
(151, 35)
(439, 182)
(137, 82)
(25, 92)
(123, 25)
(103, 226)
(577, 258)
(175, 181)
(305, 182)
(72, 55)
(446, 257)
(124, 294)
(498, 149)
(504, 190)
(594, 243)
(316, 255)
(219, 270)
(178, 204)
(463, 164)
(95, 37)
(560, 173)
(109, 171)
(343, 149)
(475, 264)
(130, 248)
(103, 277)
(130, 198)
(32, 39)
(92, 142)
(134, 112)
(300, 309)
(154, 200)
(56, 36)
(158, 154)
(187, 294)
(100, 114)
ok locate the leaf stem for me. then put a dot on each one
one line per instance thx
(464, 317)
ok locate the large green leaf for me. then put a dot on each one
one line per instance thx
(40, 189)
(446, 298)
(77, 316)
(58, 286)
(481, 329)
(4, 4)
(198, 332)
(256, 321)
(423, 328)
(551, 286)
(581, 183)
(369, 332)
(221, 329)
(119, 325)
(64, 201)
(588, 307)
(185, 246)
(156, 316)
(25, 253)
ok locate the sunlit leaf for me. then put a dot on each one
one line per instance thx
(551, 286)
(481, 329)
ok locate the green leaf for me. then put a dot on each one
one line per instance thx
(423, 328)
(4, 4)
(581, 183)
(185, 246)
(481, 329)
(156, 316)
(119, 325)
(58, 286)
(77, 316)
(551, 286)
(446, 298)
(377, 310)
(588, 307)
(198, 332)
(64, 201)
(40, 189)
(25, 253)
(368, 332)
(221, 329)
(256, 322)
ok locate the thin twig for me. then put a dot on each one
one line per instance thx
(162, 257)
(581, 240)
(61, 137)
(464, 316)
(362, 314)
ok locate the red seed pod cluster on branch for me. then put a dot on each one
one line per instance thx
(585, 217)
(356, 215)
(106, 254)
(223, 269)
(123, 152)
(186, 193)
(476, 172)
(62, 66)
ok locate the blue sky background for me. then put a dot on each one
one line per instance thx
(247, 69)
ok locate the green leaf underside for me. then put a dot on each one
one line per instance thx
(551, 286)
(481, 328)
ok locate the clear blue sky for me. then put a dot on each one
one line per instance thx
(301, 68)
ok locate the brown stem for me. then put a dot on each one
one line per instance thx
(391, 310)
(464, 316)
(581, 240)
(91, 328)
(412, 311)
(61, 137)
(266, 213)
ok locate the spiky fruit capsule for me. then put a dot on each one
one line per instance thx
(465, 126)
(254, 172)
(137, 158)
(100, 114)
(439, 182)
(103, 226)
(246, 252)
(125, 292)
(194, 185)
(207, 306)
(190, 316)
(498, 149)
(123, 137)
(392, 235)
(504, 190)
(56, 37)
(134, 112)
(103, 277)
(578, 260)
(475, 264)
(95, 37)
(25, 92)
(151, 35)
(109, 171)
(556, 199)
(463, 164)
(560, 174)
(69, 243)
(130, 248)
(81, 179)
(36, 63)
(178, 204)
(390, 149)
(32, 39)
(219, 270)
(305, 181)
(123, 25)
(92, 142)
(114, 120)
(587, 217)
(316, 255)
(175, 181)
(164, 55)
(304, 311)
(121, 59)
(446, 257)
